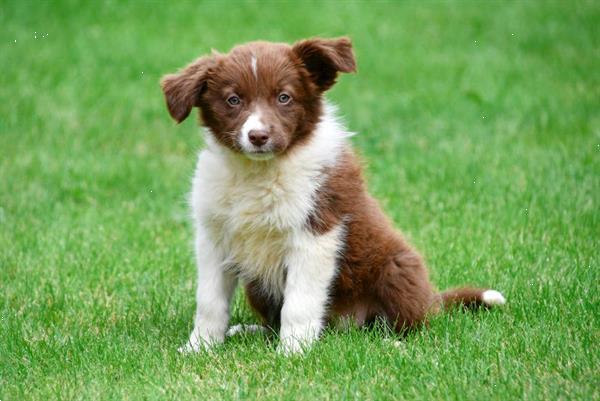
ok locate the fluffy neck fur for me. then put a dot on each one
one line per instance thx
(256, 212)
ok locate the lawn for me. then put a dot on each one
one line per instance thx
(479, 124)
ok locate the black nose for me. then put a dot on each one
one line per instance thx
(258, 137)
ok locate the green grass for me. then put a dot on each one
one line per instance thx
(480, 124)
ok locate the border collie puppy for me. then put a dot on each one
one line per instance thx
(280, 204)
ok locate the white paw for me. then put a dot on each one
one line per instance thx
(194, 347)
(492, 298)
(291, 346)
(188, 348)
(198, 343)
(245, 328)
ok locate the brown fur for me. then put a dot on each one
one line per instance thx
(467, 297)
(378, 271)
(268, 309)
(380, 275)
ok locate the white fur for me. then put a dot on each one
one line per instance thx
(493, 297)
(245, 328)
(250, 220)
(253, 65)
(253, 122)
(213, 295)
(311, 262)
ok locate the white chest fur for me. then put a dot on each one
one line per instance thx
(255, 211)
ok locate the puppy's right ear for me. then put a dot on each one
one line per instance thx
(183, 89)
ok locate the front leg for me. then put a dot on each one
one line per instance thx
(311, 269)
(213, 295)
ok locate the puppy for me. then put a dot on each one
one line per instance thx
(279, 202)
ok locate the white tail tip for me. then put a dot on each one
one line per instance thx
(492, 297)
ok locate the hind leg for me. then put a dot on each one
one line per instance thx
(404, 292)
(268, 309)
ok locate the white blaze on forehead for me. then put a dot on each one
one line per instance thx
(253, 64)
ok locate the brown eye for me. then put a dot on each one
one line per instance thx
(284, 98)
(234, 100)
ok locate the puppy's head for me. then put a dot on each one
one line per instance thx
(261, 98)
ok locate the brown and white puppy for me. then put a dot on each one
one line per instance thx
(279, 202)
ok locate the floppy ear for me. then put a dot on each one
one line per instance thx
(324, 58)
(183, 89)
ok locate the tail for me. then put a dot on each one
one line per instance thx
(471, 298)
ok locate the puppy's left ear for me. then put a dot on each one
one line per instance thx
(183, 89)
(324, 58)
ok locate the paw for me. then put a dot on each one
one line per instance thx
(198, 343)
(291, 346)
(245, 328)
(188, 348)
(194, 347)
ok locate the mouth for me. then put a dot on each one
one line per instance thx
(259, 155)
